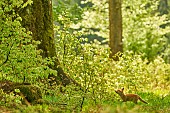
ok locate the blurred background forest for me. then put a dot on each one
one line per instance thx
(140, 20)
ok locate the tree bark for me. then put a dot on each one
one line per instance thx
(163, 7)
(38, 19)
(115, 26)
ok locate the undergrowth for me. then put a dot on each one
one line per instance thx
(88, 64)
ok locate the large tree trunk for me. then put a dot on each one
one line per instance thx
(115, 19)
(38, 19)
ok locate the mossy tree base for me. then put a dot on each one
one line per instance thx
(31, 94)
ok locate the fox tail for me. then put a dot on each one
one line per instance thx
(142, 100)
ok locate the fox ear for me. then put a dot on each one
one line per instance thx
(122, 88)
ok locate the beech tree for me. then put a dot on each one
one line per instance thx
(38, 19)
(115, 26)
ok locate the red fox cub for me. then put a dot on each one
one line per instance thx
(129, 97)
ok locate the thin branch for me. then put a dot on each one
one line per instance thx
(7, 58)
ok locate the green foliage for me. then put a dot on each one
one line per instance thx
(142, 31)
(89, 63)
(66, 10)
(18, 54)
(94, 19)
(99, 76)
(34, 109)
(10, 99)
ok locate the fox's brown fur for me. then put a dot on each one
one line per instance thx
(129, 97)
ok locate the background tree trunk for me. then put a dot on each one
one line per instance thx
(163, 7)
(115, 19)
(38, 19)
